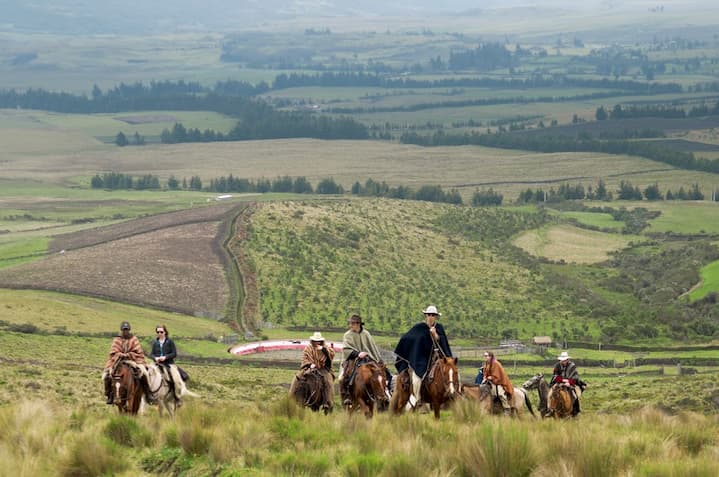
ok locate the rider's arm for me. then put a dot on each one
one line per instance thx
(171, 350)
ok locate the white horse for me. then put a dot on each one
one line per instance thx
(163, 391)
(483, 394)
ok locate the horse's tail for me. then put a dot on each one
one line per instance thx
(529, 404)
(187, 392)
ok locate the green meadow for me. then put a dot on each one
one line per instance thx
(709, 283)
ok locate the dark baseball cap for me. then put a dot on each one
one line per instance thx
(125, 325)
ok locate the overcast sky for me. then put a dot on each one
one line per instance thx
(157, 16)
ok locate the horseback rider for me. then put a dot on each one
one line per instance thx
(126, 347)
(164, 354)
(317, 355)
(565, 374)
(494, 374)
(416, 347)
(358, 345)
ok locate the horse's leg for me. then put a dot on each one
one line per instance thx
(366, 408)
(436, 406)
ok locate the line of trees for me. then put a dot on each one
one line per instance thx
(257, 120)
(654, 111)
(272, 125)
(286, 184)
(116, 180)
(429, 193)
(679, 159)
(626, 191)
(330, 79)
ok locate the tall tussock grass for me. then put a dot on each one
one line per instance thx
(279, 438)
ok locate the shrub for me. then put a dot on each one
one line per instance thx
(363, 465)
(499, 449)
(125, 430)
(27, 328)
(90, 456)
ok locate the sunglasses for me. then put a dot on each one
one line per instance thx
(160, 332)
(431, 314)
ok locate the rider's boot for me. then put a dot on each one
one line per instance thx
(149, 397)
(344, 392)
(107, 380)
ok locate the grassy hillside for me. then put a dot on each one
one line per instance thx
(387, 260)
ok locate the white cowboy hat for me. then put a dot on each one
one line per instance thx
(564, 356)
(317, 337)
(431, 309)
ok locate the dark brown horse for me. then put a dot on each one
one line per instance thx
(369, 391)
(311, 389)
(127, 386)
(540, 384)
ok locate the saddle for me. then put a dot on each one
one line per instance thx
(136, 371)
(357, 363)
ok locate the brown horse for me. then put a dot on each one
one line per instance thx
(127, 387)
(441, 384)
(369, 391)
(311, 389)
(402, 392)
(556, 401)
(491, 405)
(560, 401)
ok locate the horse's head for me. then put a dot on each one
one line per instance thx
(533, 382)
(380, 386)
(485, 390)
(127, 387)
(450, 373)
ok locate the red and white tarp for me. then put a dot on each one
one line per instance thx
(265, 346)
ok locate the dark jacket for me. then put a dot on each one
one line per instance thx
(167, 349)
(569, 372)
(416, 346)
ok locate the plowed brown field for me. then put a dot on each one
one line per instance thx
(174, 268)
(86, 238)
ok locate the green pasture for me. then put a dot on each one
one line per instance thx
(709, 283)
(469, 167)
(685, 217)
(15, 253)
(374, 97)
(145, 123)
(562, 111)
(594, 219)
(572, 244)
(52, 312)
